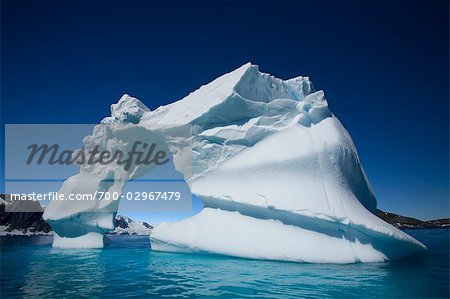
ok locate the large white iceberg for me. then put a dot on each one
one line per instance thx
(277, 172)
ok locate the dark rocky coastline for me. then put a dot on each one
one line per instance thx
(16, 221)
(403, 222)
(32, 222)
(24, 221)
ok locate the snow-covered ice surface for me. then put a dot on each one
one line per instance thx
(278, 174)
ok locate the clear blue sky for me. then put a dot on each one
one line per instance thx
(383, 66)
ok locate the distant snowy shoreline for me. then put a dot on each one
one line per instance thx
(15, 222)
(123, 226)
(32, 224)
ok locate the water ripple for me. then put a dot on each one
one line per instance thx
(128, 268)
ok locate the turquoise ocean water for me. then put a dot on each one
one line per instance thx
(128, 268)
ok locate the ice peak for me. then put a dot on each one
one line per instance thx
(125, 97)
(127, 110)
(242, 88)
(247, 65)
(257, 86)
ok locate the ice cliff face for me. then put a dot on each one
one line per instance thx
(278, 174)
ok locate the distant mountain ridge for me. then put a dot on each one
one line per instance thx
(403, 222)
(30, 223)
(126, 226)
(16, 222)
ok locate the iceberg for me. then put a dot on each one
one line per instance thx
(278, 174)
